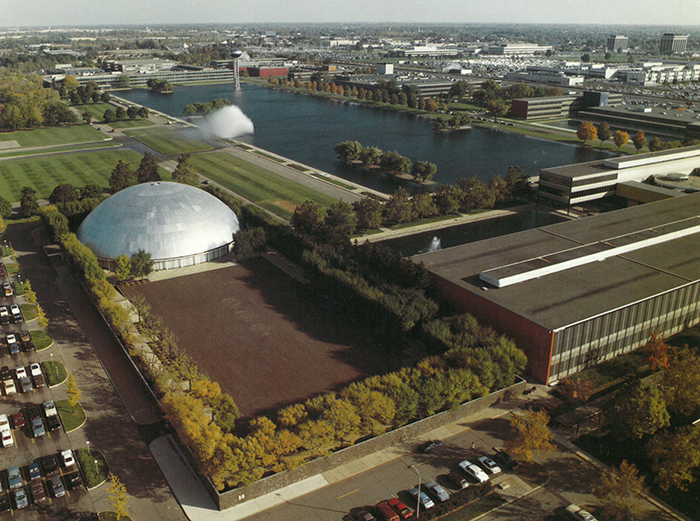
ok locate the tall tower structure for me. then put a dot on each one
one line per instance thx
(236, 75)
(673, 43)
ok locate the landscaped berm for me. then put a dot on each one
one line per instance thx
(261, 335)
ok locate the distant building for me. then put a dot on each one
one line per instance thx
(617, 43)
(546, 75)
(562, 106)
(385, 68)
(512, 49)
(673, 43)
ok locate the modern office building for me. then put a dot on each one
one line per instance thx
(673, 43)
(513, 49)
(617, 43)
(570, 185)
(580, 292)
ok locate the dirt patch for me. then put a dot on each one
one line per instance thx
(284, 205)
(263, 336)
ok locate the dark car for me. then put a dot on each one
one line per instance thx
(18, 420)
(50, 465)
(431, 446)
(5, 373)
(4, 503)
(34, 472)
(74, 480)
(505, 460)
(53, 423)
(38, 492)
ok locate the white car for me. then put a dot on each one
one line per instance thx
(473, 471)
(35, 370)
(10, 387)
(489, 465)
(578, 513)
(437, 491)
(21, 372)
(68, 460)
(11, 339)
(6, 431)
(16, 313)
(50, 408)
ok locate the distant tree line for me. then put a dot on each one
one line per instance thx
(587, 131)
(387, 162)
(159, 85)
(119, 114)
(206, 108)
(26, 104)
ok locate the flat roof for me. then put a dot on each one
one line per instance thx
(565, 297)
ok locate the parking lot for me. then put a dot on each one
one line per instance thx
(33, 474)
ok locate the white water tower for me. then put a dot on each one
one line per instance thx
(236, 76)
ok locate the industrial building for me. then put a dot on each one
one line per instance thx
(580, 292)
(575, 184)
(177, 224)
(562, 106)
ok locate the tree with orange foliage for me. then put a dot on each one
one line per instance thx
(658, 353)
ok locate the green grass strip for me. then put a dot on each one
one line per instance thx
(334, 181)
(41, 338)
(72, 418)
(50, 136)
(55, 372)
(271, 191)
(167, 141)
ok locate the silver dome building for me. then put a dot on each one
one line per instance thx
(178, 224)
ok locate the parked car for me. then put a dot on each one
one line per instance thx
(360, 514)
(35, 369)
(14, 478)
(13, 348)
(459, 481)
(50, 465)
(38, 492)
(57, 487)
(6, 431)
(421, 496)
(489, 465)
(38, 429)
(431, 446)
(4, 315)
(21, 500)
(7, 287)
(53, 423)
(33, 412)
(3, 271)
(437, 491)
(387, 512)
(400, 508)
(505, 460)
(16, 313)
(578, 513)
(5, 372)
(74, 482)
(20, 372)
(50, 408)
(18, 420)
(39, 381)
(473, 471)
(26, 384)
(9, 386)
(34, 471)
(4, 503)
(24, 335)
(68, 459)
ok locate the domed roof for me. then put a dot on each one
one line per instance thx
(167, 220)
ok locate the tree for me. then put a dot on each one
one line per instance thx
(458, 90)
(642, 411)
(132, 112)
(618, 489)
(392, 161)
(529, 433)
(120, 114)
(89, 191)
(620, 138)
(3, 226)
(369, 213)
(118, 497)
(5, 208)
(307, 218)
(680, 384)
(399, 208)
(105, 97)
(141, 264)
(424, 206)
(587, 131)
(86, 117)
(184, 173)
(121, 177)
(148, 169)
(658, 353)
(28, 204)
(348, 151)
(496, 108)
(74, 393)
(41, 316)
(447, 198)
(639, 140)
(63, 193)
(675, 456)
(604, 132)
(585, 58)
(370, 156)
(423, 170)
(108, 116)
(340, 222)
(122, 267)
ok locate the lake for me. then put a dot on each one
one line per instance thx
(306, 129)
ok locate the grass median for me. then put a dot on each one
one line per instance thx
(167, 141)
(72, 417)
(50, 136)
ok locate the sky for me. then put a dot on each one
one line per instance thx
(38, 13)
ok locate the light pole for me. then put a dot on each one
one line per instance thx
(414, 469)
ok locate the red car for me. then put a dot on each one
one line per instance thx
(402, 510)
(18, 420)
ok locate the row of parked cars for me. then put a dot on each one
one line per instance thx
(34, 480)
(431, 493)
(23, 378)
(15, 341)
(39, 423)
(12, 313)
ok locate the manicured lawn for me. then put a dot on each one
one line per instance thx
(72, 418)
(13, 268)
(333, 181)
(132, 123)
(51, 136)
(429, 220)
(44, 173)
(29, 311)
(167, 141)
(21, 152)
(271, 191)
(55, 372)
(42, 339)
(96, 110)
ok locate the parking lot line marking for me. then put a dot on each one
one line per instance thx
(349, 493)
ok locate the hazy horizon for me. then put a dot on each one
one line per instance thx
(82, 13)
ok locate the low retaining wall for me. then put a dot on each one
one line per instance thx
(270, 484)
